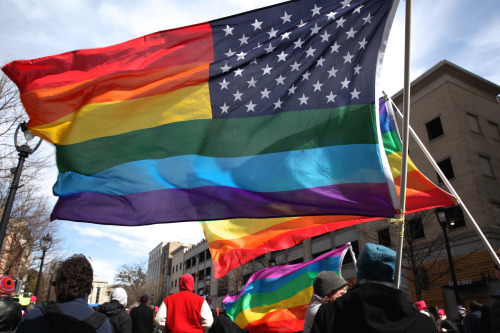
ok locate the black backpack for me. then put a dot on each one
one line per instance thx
(62, 323)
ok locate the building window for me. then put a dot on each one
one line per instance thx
(447, 168)
(315, 255)
(473, 123)
(495, 132)
(384, 237)
(180, 266)
(296, 261)
(434, 128)
(207, 271)
(202, 256)
(415, 228)
(485, 165)
(188, 263)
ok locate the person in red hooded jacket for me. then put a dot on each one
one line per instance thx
(184, 311)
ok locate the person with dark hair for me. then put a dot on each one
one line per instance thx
(72, 284)
(142, 316)
(10, 310)
(115, 311)
(471, 321)
(374, 303)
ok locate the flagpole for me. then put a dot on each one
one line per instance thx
(450, 188)
(353, 255)
(404, 159)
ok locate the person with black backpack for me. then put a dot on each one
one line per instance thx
(71, 313)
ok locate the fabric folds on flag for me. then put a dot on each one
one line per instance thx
(264, 114)
(276, 299)
(235, 242)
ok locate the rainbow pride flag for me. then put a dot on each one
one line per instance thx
(276, 299)
(264, 114)
(235, 242)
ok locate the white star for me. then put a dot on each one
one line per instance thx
(368, 19)
(310, 52)
(265, 93)
(340, 22)
(325, 36)
(345, 83)
(229, 53)
(286, 35)
(238, 72)
(277, 105)
(267, 70)
(243, 40)
(332, 72)
(286, 18)
(357, 69)
(298, 43)
(347, 57)
(225, 68)
(358, 9)
(317, 86)
(250, 107)
(251, 83)
(315, 29)
(237, 95)
(254, 61)
(362, 44)
(228, 30)
(335, 48)
(272, 33)
(320, 61)
(280, 80)
(291, 90)
(350, 33)
(331, 97)
(241, 55)
(305, 76)
(257, 25)
(331, 15)
(346, 3)
(282, 56)
(315, 10)
(301, 24)
(303, 99)
(355, 94)
(270, 48)
(295, 66)
(224, 84)
(224, 108)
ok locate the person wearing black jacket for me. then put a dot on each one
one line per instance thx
(115, 311)
(142, 316)
(10, 310)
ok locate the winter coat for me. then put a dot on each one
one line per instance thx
(142, 319)
(118, 317)
(10, 314)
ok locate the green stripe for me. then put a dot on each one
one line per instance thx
(232, 137)
(391, 142)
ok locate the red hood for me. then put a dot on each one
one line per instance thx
(187, 282)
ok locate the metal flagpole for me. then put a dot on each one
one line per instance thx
(450, 188)
(404, 159)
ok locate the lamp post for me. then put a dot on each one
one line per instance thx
(45, 244)
(23, 151)
(444, 222)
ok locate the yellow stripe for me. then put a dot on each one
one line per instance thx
(395, 164)
(250, 315)
(237, 228)
(113, 118)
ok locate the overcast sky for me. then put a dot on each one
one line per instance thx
(464, 32)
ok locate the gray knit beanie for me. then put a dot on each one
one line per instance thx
(326, 282)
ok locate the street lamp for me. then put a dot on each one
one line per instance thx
(45, 244)
(444, 222)
(23, 151)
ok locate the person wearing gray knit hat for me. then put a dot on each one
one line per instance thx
(327, 286)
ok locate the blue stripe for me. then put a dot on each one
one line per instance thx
(285, 171)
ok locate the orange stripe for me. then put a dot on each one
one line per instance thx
(283, 320)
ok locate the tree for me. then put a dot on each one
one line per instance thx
(132, 278)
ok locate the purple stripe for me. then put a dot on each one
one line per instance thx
(214, 203)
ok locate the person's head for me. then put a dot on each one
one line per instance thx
(497, 269)
(328, 284)
(7, 285)
(73, 278)
(475, 306)
(461, 311)
(144, 298)
(119, 295)
(441, 314)
(186, 282)
(376, 262)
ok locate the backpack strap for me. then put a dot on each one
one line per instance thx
(96, 319)
(54, 315)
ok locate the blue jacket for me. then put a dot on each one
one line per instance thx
(35, 321)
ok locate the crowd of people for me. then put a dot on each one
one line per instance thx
(373, 304)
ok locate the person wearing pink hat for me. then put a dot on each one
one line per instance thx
(445, 324)
(10, 310)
